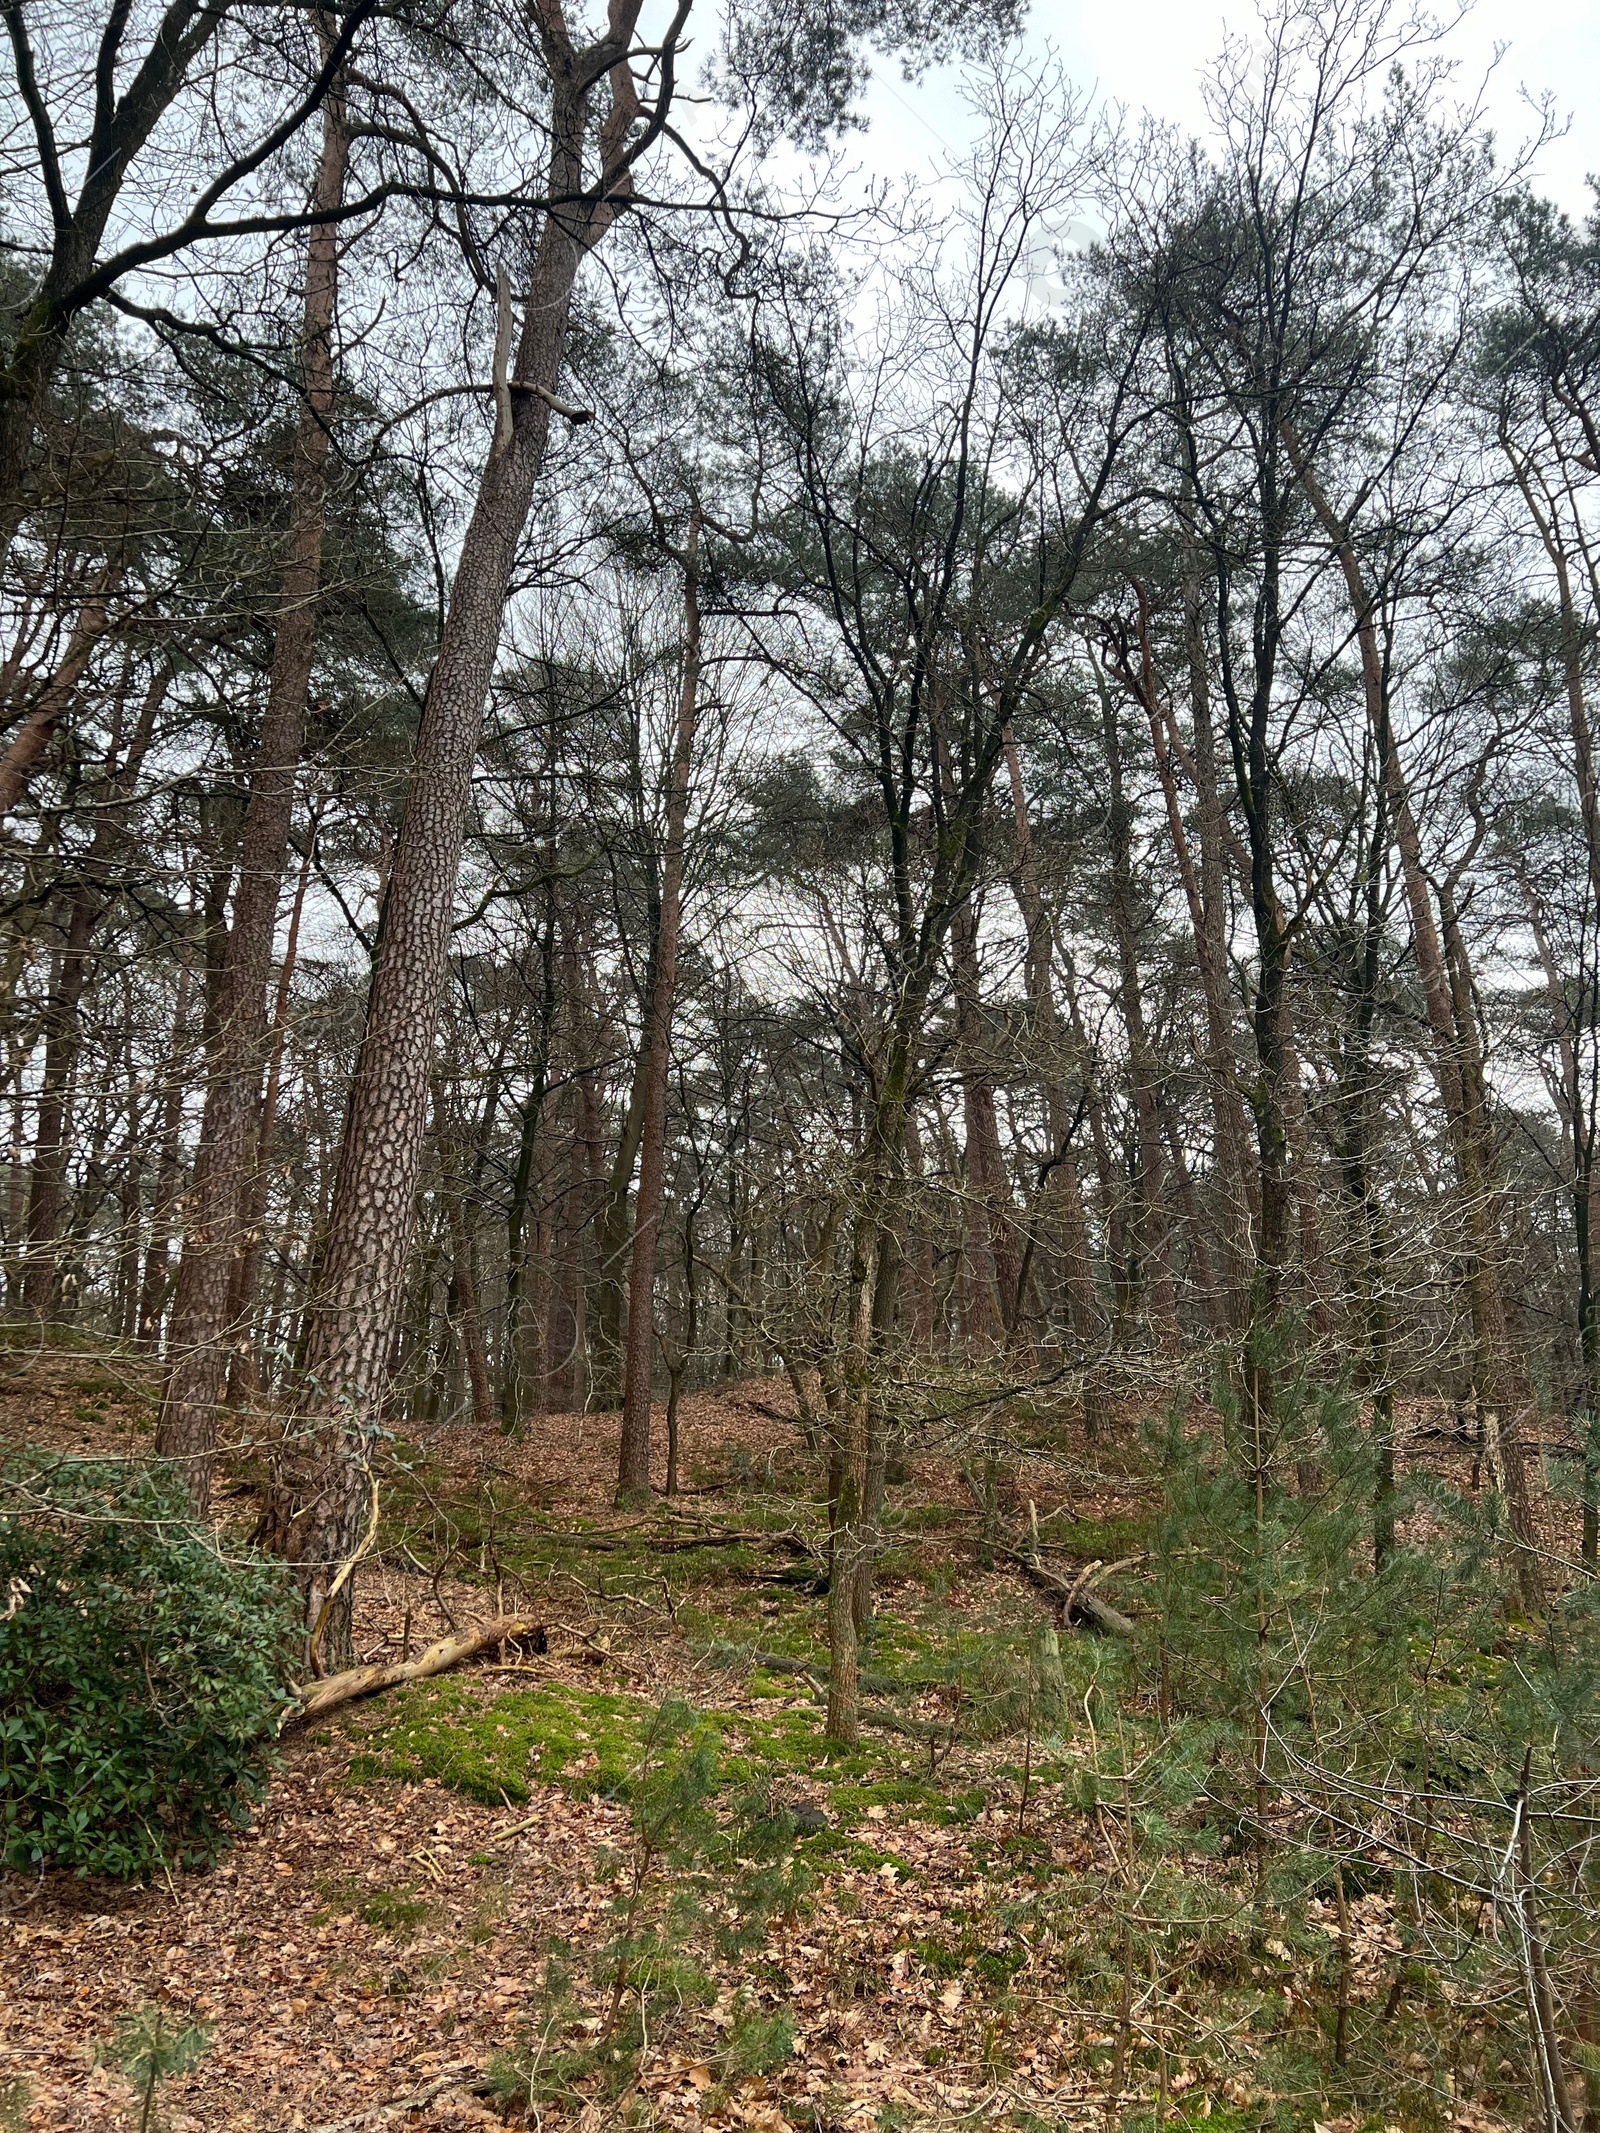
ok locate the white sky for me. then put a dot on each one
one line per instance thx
(1149, 55)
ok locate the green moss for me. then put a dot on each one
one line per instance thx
(1085, 1539)
(991, 1965)
(583, 1740)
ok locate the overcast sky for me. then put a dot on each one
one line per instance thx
(1150, 54)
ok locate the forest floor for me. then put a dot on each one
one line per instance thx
(398, 1921)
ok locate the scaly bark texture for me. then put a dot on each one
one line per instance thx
(207, 1303)
(321, 1520)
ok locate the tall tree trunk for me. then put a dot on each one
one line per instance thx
(1583, 1124)
(1205, 893)
(1153, 1228)
(244, 1374)
(169, 1165)
(47, 1187)
(1446, 991)
(352, 1308)
(469, 1318)
(202, 1328)
(633, 1467)
(62, 1027)
(994, 1253)
(1064, 1201)
(518, 1373)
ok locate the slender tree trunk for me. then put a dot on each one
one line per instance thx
(202, 1329)
(47, 1187)
(62, 1027)
(1446, 990)
(1153, 1229)
(1308, 1216)
(469, 1318)
(244, 1374)
(1583, 1124)
(1205, 893)
(36, 731)
(615, 1223)
(847, 1445)
(169, 1166)
(1064, 1188)
(633, 1470)
(994, 1251)
(521, 1317)
(1358, 1101)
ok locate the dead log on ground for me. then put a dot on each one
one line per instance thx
(1074, 1598)
(319, 1696)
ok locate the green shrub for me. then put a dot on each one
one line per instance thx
(142, 1671)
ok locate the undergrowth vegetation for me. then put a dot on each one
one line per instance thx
(1315, 1845)
(142, 1671)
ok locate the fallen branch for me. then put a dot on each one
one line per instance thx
(669, 1543)
(1078, 1603)
(885, 1721)
(319, 1696)
(600, 1653)
(871, 1682)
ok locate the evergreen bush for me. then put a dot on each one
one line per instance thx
(142, 1671)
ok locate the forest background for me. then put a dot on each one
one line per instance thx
(631, 760)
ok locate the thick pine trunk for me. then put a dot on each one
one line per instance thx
(351, 1311)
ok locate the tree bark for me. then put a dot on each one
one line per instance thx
(1154, 1228)
(352, 1308)
(202, 1328)
(169, 1167)
(244, 1373)
(1457, 1065)
(633, 1468)
(38, 727)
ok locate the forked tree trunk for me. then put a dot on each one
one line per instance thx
(207, 1308)
(633, 1467)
